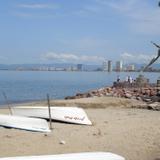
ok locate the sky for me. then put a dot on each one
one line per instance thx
(78, 31)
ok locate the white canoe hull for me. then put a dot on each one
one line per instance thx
(73, 156)
(65, 114)
(25, 123)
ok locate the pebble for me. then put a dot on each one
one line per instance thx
(62, 142)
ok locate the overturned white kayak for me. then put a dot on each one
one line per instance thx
(65, 114)
(25, 123)
(73, 156)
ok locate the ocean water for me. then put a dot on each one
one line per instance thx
(25, 86)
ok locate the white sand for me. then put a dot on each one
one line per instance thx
(132, 133)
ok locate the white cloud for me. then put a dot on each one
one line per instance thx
(146, 22)
(64, 57)
(22, 14)
(38, 6)
(122, 5)
(3, 58)
(25, 10)
(141, 16)
(138, 58)
(127, 56)
(89, 45)
(92, 8)
(90, 42)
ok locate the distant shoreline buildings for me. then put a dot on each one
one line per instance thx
(106, 66)
(119, 66)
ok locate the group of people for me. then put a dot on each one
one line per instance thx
(128, 79)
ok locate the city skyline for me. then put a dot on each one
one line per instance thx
(87, 31)
(107, 66)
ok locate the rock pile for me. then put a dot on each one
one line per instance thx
(146, 94)
(150, 95)
(139, 89)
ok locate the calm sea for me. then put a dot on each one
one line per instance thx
(25, 86)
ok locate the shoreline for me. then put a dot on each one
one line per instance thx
(93, 102)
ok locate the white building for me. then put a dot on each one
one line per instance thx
(119, 66)
(131, 67)
(105, 66)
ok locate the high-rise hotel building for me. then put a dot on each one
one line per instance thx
(109, 66)
(119, 66)
(104, 66)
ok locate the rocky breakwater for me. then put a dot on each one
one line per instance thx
(149, 95)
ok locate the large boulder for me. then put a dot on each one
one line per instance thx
(154, 106)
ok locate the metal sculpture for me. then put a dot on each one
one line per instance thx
(153, 59)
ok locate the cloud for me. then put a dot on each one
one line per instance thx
(38, 6)
(36, 10)
(89, 10)
(88, 44)
(141, 16)
(64, 57)
(22, 14)
(127, 56)
(139, 58)
(121, 5)
(146, 22)
(3, 58)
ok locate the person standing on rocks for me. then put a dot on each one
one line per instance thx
(127, 79)
(130, 80)
(118, 78)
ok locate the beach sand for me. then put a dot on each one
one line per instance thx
(132, 133)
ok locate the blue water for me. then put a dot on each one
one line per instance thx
(24, 86)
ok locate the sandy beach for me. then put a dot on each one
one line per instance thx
(117, 127)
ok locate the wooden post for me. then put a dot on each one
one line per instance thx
(49, 112)
(10, 110)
